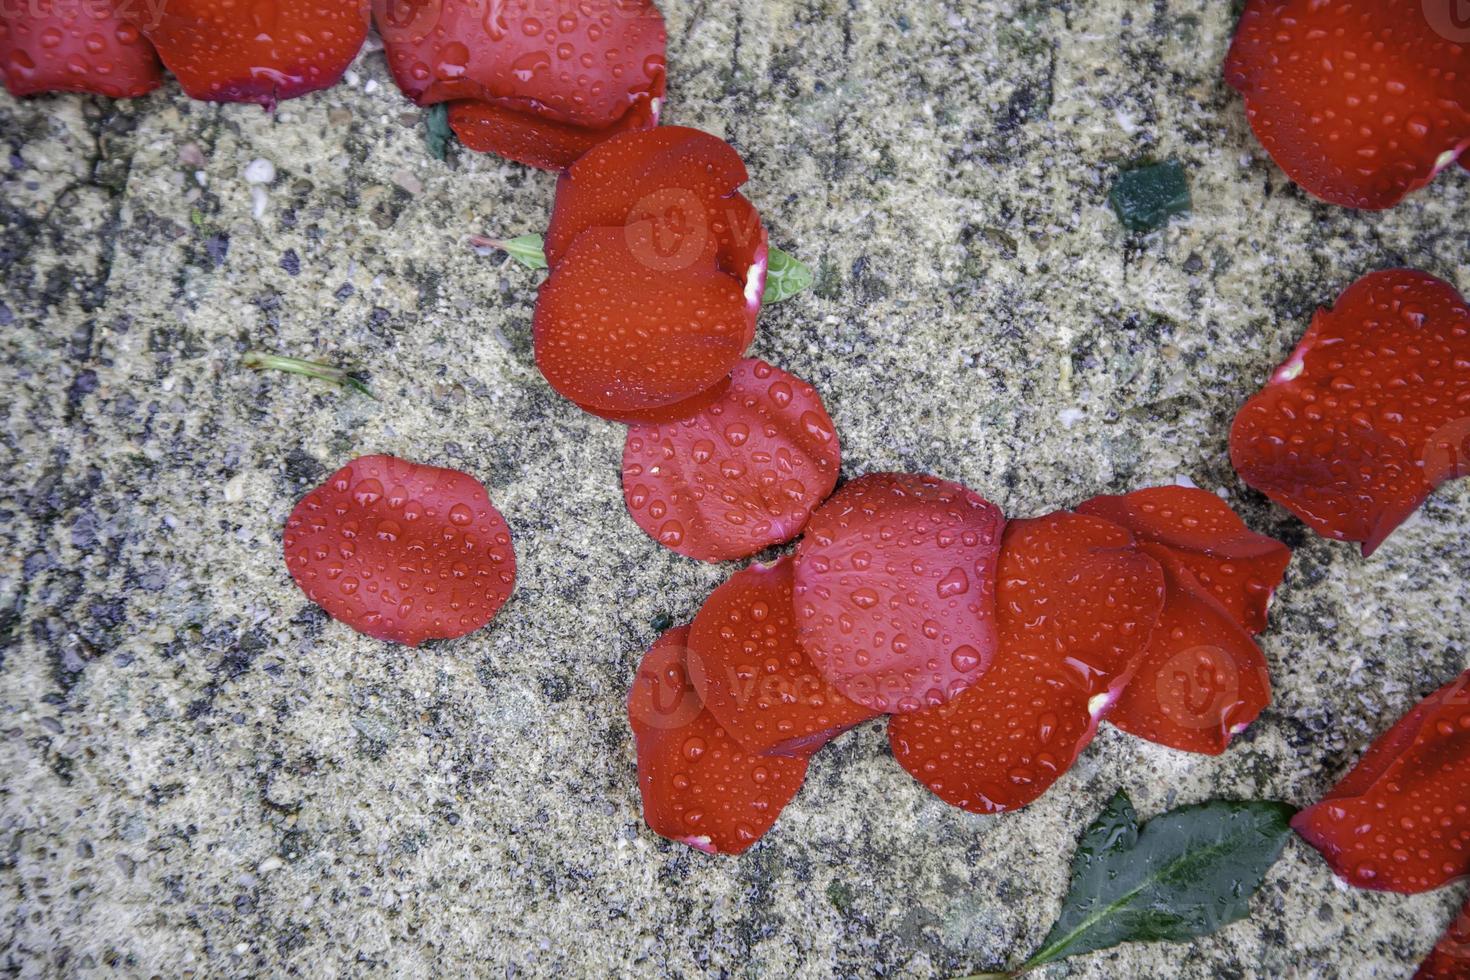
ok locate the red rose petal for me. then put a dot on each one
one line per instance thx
(534, 140)
(1450, 958)
(1240, 568)
(1203, 679)
(71, 46)
(895, 590)
(753, 676)
(741, 475)
(1370, 413)
(585, 64)
(1359, 102)
(1400, 820)
(401, 551)
(1076, 605)
(619, 336)
(699, 785)
(225, 51)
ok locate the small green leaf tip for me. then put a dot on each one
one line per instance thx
(257, 360)
(785, 277)
(437, 133)
(1146, 197)
(528, 250)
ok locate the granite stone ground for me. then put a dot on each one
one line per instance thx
(203, 775)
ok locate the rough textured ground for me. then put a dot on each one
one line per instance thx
(202, 773)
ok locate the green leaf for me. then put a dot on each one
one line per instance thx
(258, 360)
(785, 277)
(1145, 198)
(528, 250)
(437, 132)
(1186, 873)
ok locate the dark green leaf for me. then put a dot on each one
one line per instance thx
(1145, 198)
(437, 132)
(785, 277)
(1187, 873)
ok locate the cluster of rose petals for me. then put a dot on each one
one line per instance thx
(1359, 101)
(996, 648)
(219, 50)
(540, 82)
(657, 272)
(537, 81)
(1369, 414)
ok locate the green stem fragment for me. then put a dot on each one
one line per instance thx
(258, 360)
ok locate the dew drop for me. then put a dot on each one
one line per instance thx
(953, 584)
(966, 658)
(526, 66)
(368, 492)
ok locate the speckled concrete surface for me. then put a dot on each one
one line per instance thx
(204, 775)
